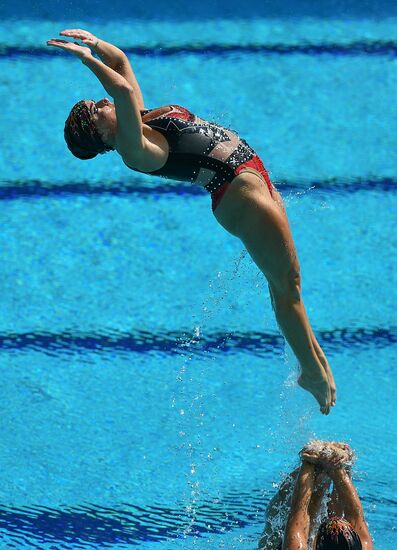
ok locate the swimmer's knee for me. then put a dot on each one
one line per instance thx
(286, 288)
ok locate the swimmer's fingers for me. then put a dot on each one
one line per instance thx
(80, 34)
(309, 457)
(346, 448)
(305, 456)
(335, 460)
(329, 449)
(340, 446)
(71, 47)
(63, 44)
(309, 452)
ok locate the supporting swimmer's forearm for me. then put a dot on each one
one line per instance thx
(298, 523)
(352, 508)
(347, 494)
(320, 489)
(111, 80)
(303, 489)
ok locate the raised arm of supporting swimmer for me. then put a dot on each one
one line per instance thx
(298, 524)
(349, 500)
(112, 56)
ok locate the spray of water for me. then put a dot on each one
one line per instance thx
(189, 403)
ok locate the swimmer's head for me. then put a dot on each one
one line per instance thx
(336, 533)
(90, 127)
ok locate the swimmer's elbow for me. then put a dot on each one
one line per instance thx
(122, 89)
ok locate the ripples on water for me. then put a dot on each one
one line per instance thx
(90, 526)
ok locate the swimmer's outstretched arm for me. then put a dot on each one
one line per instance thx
(111, 56)
(131, 142)
(298, 524)
(349, 502)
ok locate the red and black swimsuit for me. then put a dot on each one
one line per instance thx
(203, 152)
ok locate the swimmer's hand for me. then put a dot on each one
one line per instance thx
(82, 52)
(328, 454)
(84, 36)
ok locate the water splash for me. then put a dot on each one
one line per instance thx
(189, 401)
(293, 428)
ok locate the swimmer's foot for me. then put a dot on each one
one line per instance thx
(330, 376)
(318, 385)
(324, 363)
(332, 385)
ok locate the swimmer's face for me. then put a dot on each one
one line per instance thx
(103, 113)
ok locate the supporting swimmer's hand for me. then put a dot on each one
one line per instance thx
(328, 454)
(84, 36)
(72, 47)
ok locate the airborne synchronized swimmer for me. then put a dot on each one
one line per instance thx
(172, 142)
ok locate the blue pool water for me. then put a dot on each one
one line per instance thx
(147, 396)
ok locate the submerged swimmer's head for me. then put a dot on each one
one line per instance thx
(90, 127)
(336, 533)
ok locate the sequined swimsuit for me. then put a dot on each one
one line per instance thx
(203, 152)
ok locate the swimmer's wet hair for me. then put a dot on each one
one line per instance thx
(81, 135)
(335, 533)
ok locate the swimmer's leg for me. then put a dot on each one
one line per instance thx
(316, 346)
(250, 212)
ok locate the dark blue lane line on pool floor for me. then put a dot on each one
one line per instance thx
(91, 526)
(362, 47)
(180, 343)
(13, 190)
